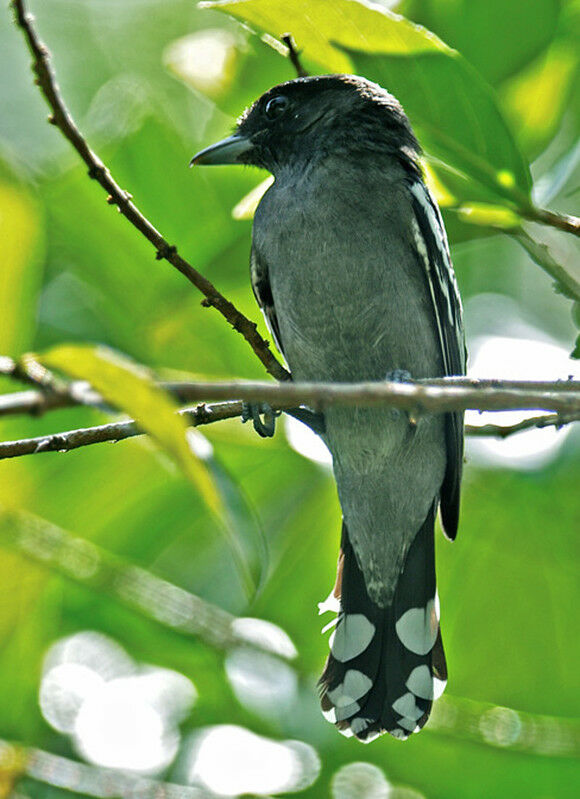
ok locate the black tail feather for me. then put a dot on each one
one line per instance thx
(386, 665)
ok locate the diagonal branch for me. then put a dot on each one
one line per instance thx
(18, 761)
(150, 596)
(114, 431)
(62, 119)
(565, 222)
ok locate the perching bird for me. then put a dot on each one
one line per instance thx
(351, 267)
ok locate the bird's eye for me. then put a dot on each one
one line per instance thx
(276, 106)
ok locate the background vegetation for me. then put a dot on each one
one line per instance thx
(87, 536)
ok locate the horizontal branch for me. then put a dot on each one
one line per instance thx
(62, 119)
(389, 396)
(430, 396)
(533, 422)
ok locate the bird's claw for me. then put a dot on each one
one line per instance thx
(399, 376)
(254, 411)
(403, 376)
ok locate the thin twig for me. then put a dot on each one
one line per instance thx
(533, 422)
(540, 253)
(78, 392)
(565, 222)
(114, 431)
(62, 119)
(294, 55)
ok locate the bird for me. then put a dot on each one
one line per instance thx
(350, 265)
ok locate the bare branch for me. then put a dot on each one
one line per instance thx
(534, 422)
(432, 396)
(540, 253)
(113, 431)
(294, 55)
(565, 222)
(62, 119)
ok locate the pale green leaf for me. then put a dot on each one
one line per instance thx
(131, 388)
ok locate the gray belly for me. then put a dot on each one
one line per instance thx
(352, 304)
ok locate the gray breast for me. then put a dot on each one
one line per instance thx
(349, 291)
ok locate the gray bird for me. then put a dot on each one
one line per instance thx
(350, 265)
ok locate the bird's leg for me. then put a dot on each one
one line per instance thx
(252, 410)
(267, 426)
(402, 376)
(399, 376)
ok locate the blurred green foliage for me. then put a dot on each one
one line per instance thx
(74, 272)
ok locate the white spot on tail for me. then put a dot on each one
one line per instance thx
(438, 687)
(360, 724)
(353, 634)
(345, 711)
(417, 628)
(398, 733)
(330, 715)
(353, 687)
(372, 736)
(420, 682)
(405, 706)
(408, 724)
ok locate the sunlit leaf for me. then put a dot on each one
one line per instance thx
(536, 99)
(498, 38)
(317, 26)
(453, 110)
(488, 216)
(21, 236)
(133, 390)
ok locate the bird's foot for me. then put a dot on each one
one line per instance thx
(399, 376)
(254, 411)
(402, 376)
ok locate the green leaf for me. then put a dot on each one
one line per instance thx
(498, 38)
(21, 273)
(318, 26)
(452, 108)
(132, 389)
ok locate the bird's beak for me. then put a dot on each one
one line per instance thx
(226, 151)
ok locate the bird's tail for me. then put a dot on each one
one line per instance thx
(386, 665)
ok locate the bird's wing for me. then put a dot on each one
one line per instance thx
(263, 294)
(431, 241)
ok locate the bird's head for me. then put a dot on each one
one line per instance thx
(307, 119)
